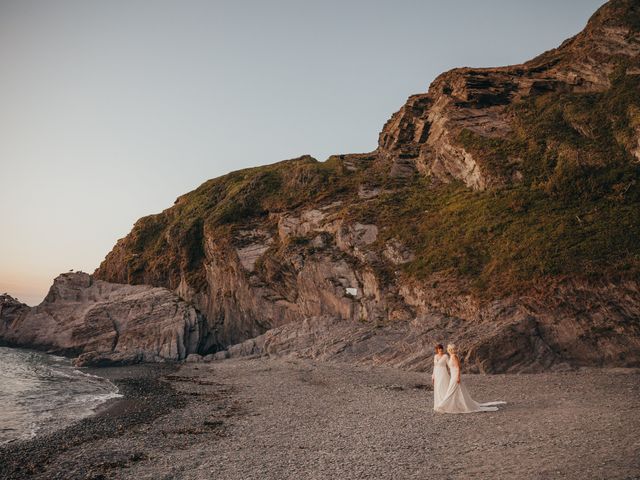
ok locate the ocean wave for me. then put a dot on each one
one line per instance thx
(42, 393)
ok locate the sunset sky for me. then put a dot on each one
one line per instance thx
(110, 110)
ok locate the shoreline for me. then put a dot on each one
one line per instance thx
(119, 374)
(144, 398)
(292, 418)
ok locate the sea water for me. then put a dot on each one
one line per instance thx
(40, 393)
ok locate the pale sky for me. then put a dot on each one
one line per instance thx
(111, 109)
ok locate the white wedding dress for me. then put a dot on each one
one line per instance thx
(458, 400)
(440, 377)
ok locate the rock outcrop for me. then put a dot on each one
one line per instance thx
(423, 135)
(103, 322)
(509, 335)
(11, 308)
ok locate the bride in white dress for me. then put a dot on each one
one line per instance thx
(457, 399)
(440, 375)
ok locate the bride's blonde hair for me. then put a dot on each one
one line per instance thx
(451, 348)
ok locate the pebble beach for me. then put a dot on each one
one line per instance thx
(299, 419)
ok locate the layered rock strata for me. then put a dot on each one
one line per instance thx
(104, 322)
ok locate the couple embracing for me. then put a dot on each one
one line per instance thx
(449, 394)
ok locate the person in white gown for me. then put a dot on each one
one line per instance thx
(457, 399)
(440, 375)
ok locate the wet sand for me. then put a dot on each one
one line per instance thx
(296, 419)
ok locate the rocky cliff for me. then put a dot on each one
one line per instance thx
(472, 125)
(499, 211)
(103, 322)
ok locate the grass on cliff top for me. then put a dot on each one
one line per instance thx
(571, 145)
(503, 241)
(576, 212)
(245, 195)
(162, 246)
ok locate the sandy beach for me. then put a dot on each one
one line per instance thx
(281, 419)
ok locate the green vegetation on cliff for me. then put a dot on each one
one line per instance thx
(162, 246)
(570, 144)
(576, 211)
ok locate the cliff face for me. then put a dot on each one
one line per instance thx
(566, 325)
(104, 322)
(499, 211)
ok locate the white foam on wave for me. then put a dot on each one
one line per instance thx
(58, 358)
(49, 394)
